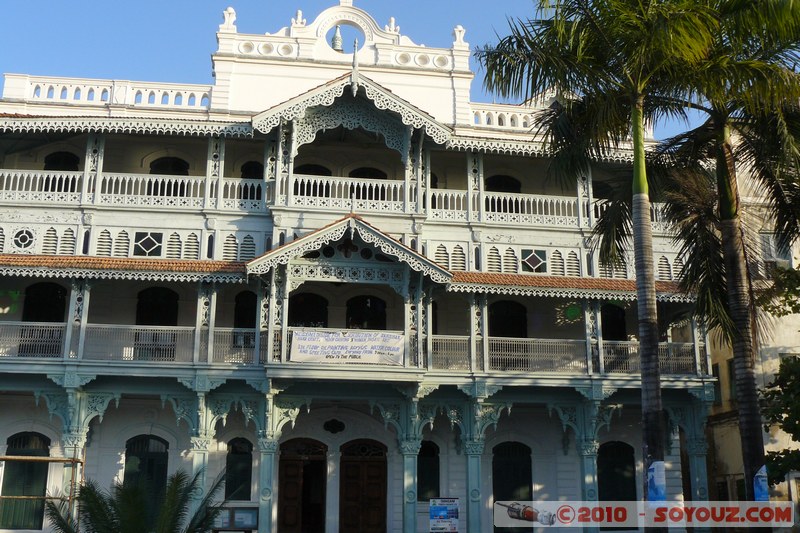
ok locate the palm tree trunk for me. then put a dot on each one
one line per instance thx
(740, 309)
(652, 420)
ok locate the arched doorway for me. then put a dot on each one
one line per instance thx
(239, 470)
(146, 460)
(362, 487)
(24, 478)
(616, 473)
(302, 475)
(512, 478)
(44, 302)
(308, 310)
(616, 357)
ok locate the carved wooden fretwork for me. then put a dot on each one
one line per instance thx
(335, 232)
(301, 270)
(126, 125)
(351, 113)
(591, 294)
(47, 272)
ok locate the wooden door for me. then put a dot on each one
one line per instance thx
(302, 477)
(362, 488)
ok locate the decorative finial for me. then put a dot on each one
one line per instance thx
(345, 2)
(298, 19)
(228, 20)
(392, 27)
(336, 41)
(458, 34)
(354, 73)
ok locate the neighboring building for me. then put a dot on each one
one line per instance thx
(780, 339)
(332, 274)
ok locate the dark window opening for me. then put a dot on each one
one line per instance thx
(307, 310)
(508, 319)
(310, 186)
(616, 473)
(44, 302)
(252, 170)
(156, 306)
(428, 471)
(23, 478)
(245, 313)
(61, 161)
(367, 191)
(366, 312)
(168, 166)
(239, 470)
(501, 203)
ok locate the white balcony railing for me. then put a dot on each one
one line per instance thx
(531, 209)
(40, 186)
(673, 357)
(151, 190)
(161, 344)
(109, 342)
(234, 346)
(537, 355)
(346, 193)
(31, 339)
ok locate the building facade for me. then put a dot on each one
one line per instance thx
(329, 274)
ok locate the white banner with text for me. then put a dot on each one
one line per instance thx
(350, 346)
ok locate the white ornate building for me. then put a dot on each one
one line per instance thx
(330, 272)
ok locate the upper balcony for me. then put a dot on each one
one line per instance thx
(142, 347)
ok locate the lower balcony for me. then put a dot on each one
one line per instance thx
(237, 347)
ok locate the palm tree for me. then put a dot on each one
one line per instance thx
(126, 508)
(604, 60)
(745, 87)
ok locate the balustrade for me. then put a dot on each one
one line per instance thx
(348, 193)
(107, 342)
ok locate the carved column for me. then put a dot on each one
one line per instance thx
(267, 447)
(692, 419)
(586, 199)
(411, 174)
(473, 449)
(594, 337)
(483, 315)
(410, 450)
(93, 168)
(423, 191)
(270, 171)
(475, 334)
(214, 170)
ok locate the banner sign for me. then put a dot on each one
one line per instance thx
(350, 346)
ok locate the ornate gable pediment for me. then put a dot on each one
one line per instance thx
(360, 87)
(340, 231)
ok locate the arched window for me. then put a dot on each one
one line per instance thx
(156, 306)
(24, 478)
(302, 475)
(169, 166)
(368, 173)
(366, 312)
(508, 319)
(428, 471)
(308, 310)
(503, 183)
(616, 472)
(512, 478)
(252, 170)
(146, 459)
(239, 470)
(66, 161)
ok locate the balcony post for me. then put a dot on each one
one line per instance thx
(202, 323)
(212, 318)
(262, 320)
(424, 187)
(267, 447)
(594, 337)
(270, 171)
(483, 306)
(410, 167)
(475, 332)
(428, 306)
(215, 167)
(475, 186)
(75, 328)
(697, 337)
(93, 167)
(288, 140)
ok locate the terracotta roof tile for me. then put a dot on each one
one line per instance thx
(120, 263)
(557, 282)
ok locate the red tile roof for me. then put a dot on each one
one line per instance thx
(557, 282)
(121, 263)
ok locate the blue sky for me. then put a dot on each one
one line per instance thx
(172, 40)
